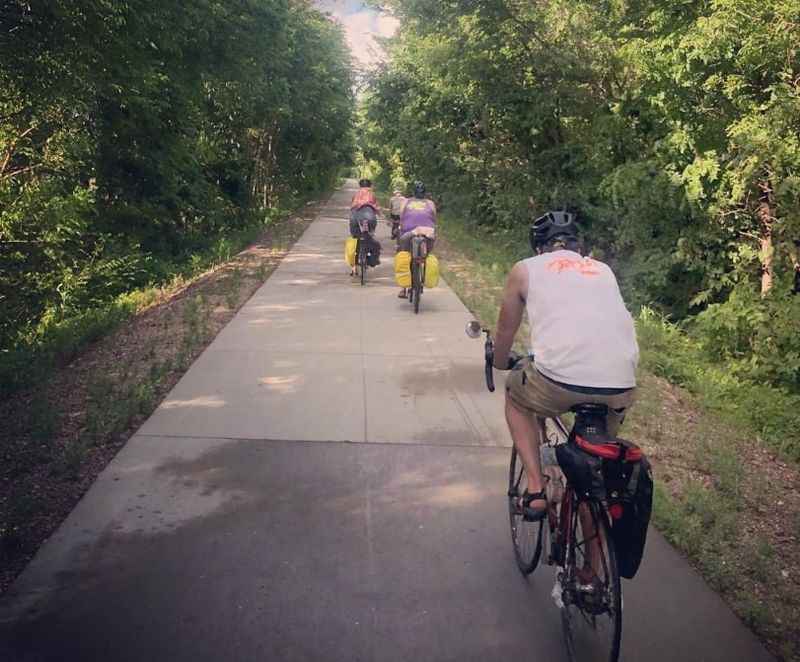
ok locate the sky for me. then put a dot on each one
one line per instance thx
(362, 24)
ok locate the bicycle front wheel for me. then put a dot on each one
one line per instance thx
(525, 536)
(592, 613)
(416, 286)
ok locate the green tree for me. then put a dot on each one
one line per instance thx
(135, 132)
(672, 126)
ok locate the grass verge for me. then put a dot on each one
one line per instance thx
(723, 497)
(57, 340)
(56, 436)
(772, 414)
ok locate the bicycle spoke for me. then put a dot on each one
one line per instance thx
(591, 617)
(525, 536)
(517, 482)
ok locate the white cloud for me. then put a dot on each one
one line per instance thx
(358, 28)
(361, 25)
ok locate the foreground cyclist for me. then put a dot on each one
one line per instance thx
(582, 337)
(418, 212)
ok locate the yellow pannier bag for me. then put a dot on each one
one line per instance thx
(431, 271)
(350, 250)
(402, 269)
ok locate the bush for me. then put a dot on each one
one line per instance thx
(58, 341)
(736, 387)
(756, 336)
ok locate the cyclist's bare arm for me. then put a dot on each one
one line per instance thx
(511, 311)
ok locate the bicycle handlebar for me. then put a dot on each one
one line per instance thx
(489, 357)
(473, 331)
(513, 360)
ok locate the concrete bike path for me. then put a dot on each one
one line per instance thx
(325, 483)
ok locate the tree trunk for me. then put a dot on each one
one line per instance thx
(767, 253)
(793, 255)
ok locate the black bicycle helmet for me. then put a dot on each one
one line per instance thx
(552, 225)
(419, 190)
(364, 183)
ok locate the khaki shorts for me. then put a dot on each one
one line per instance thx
(533, 393)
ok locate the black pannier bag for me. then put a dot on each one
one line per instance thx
(583, 471)
(614, 470)
(374, 254)
(629, 532)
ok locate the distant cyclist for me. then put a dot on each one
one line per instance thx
(582, 337)
(364, 207)
(396, 204)
(418, 217)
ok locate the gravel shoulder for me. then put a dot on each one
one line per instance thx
(56, 438)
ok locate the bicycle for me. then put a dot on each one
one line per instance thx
(419, 253)
(362, 248)
(575, 533)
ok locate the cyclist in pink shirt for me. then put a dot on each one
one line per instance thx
(363, 206)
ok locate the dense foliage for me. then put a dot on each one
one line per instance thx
(133, 133)
(672, 126)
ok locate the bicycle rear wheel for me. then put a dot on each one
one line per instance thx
(525, 536)
(592, 620)
(362, 259)
(416, 285)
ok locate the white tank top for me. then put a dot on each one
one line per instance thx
(581, 332)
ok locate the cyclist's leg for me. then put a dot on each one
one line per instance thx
(374, 245)
(616, 415)
(404, 242)
(367, 213)
(593, 566)
(530, 395)
(527, 435)
(593, 558)
(354, 232)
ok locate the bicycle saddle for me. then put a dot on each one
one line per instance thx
(590, 421)
(590, 409)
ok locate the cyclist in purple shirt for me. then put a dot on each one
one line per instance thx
(418, 212)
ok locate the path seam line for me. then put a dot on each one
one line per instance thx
(328, 441)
